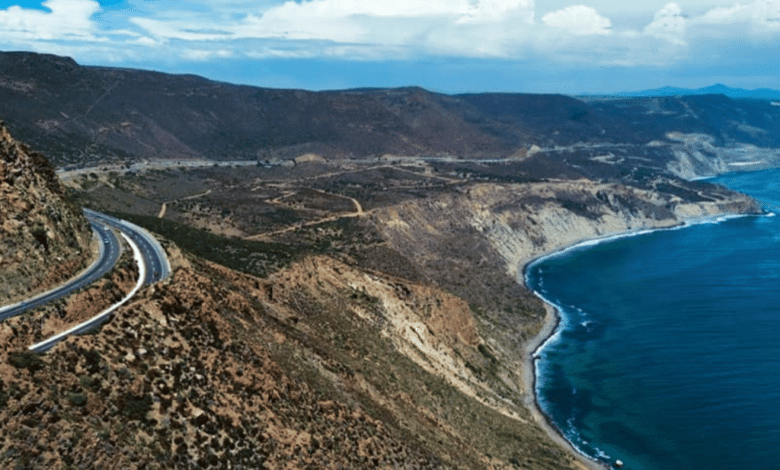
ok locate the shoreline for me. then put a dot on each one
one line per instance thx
(552, 321)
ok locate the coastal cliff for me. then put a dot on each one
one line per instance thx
(461, 239)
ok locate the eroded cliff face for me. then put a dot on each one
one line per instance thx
(45, 240)
(462, 239)
(523, 221)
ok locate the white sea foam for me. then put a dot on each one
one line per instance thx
(564, 320)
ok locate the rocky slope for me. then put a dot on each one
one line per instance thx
(475, 243)
(45, 239)
(309, 368)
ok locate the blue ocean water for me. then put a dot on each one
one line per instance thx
(668, 352)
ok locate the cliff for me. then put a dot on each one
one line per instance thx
(475, 243)
(45, 239)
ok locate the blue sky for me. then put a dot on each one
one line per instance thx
(443, 45)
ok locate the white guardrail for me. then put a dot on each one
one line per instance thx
(48, 343)
(101, 251)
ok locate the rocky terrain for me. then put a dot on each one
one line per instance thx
(317, 366)
(352, 300)
(45, 238)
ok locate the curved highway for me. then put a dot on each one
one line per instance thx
(110, 249)
(157, 267)
(155, 262)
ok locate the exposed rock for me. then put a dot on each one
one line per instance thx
(45, 239)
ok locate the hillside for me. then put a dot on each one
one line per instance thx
(45, 239)
(91, 115)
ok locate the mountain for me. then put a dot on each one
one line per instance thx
(45, 238)
(339, 310)
(95, 115)
(318, 364)
(717, 89)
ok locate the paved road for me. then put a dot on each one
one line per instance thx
(154, 258)
(110, 249)
(153, 254)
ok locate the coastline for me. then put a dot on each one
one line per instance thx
(553, 319)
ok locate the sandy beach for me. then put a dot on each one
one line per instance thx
(529, 385)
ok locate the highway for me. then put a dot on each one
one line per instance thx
(147, 251)
(110, 249)
(156, 262)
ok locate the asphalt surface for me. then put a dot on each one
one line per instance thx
(154, 257)
(110, 249)
(152, 253)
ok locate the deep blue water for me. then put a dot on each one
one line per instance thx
(668, 352)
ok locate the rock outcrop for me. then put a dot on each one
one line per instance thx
(43, 238)
(475, 243)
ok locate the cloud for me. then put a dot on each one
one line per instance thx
(490, 11)
(363, 20)
(668, 24)
(67, 19)
(383, 30)
(200, 55)
(762, 14)
(580, 20)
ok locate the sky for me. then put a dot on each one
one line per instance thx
(450, 46)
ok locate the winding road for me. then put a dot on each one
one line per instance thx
(148, 252)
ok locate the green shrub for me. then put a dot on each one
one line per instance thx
(77, 399)
(136, 408)
(26, 360)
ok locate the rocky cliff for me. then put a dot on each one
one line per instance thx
(475, 243)
(45, 239)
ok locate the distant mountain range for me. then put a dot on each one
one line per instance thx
(79, 115)
(718, 89)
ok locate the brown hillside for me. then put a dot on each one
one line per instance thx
(45, 239)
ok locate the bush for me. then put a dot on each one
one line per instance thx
(136, 408)
(26, 360)
(77, 399)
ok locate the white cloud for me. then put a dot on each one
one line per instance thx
(668, 24)
(621, 33)
(202, 55)
(488, 11)
(761, 14)
(579, 20)
(357, 20)
(68, 19)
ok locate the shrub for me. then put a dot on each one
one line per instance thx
(26, 360)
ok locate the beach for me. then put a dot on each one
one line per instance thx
(553, 319)
(529, 386)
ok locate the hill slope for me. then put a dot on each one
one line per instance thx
(45, 239)
(87, 115)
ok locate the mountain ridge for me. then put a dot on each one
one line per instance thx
(88, 116)
(716, 89)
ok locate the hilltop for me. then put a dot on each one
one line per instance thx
(81, 115)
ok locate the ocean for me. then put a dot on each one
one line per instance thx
(668, 351)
